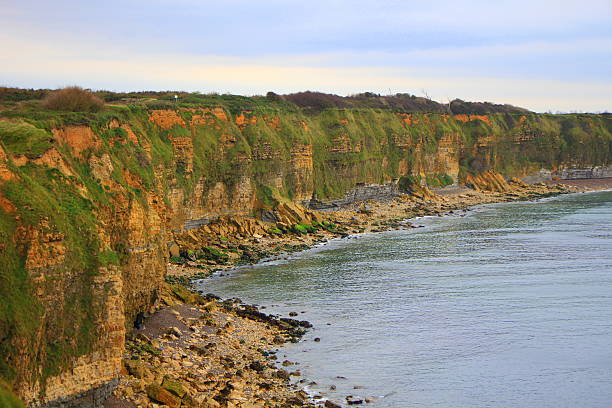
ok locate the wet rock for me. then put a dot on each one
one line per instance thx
(306, 324)
(332, 387)
(351, 400)
(329, 404)
(317, 339)
(293, 314)
(257, 366)
(282, 374)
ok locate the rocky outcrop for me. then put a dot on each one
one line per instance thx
(488, 181)
(363, 192)
(583, 173)
(89, 205)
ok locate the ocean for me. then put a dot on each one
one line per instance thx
(505, 305)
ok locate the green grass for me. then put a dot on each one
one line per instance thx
(71, 206)
(24, 139)
(7, 398)
(44, 196)
(439, 180)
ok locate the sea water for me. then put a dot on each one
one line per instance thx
(507, 305)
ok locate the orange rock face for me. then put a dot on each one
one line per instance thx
(406, 119)
(488, 181)
(6, 205)
(78, 138)
(166, 118)
(5, 173)
(243, 119)
(469, 118)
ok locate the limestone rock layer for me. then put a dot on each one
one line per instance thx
(89, 203)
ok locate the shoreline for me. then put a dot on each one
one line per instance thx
(264, 332)
(206, 352)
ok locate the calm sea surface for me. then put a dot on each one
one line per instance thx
(507, 306)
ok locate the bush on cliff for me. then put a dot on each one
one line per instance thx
(73, 99)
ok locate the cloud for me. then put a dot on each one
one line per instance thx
(531, 53)
(259, 75)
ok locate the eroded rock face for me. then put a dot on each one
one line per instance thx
(86, 224)
(488, 181)
(78, 138)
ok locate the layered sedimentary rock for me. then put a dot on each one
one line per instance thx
(88, 204)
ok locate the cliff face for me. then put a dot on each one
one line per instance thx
(88, 203)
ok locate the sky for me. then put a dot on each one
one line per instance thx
(540, 54)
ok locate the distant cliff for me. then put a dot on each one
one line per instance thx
(88, 201)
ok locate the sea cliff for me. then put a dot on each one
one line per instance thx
(90, 202)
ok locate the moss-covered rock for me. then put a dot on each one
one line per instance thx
(161, 395)
(175, 387)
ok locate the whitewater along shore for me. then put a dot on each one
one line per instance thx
(201, 351)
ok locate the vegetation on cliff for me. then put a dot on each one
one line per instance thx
(84, 195)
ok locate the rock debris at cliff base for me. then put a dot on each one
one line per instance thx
(209, 354)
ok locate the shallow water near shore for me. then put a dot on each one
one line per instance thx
(508, 306)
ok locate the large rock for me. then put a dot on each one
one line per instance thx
(175, 387)
(159, 394)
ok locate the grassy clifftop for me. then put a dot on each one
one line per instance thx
(87, 200)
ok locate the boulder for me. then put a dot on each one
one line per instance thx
(174, 387)
(159, 394)
(282, 374)
(351, 400)
(174, 250)
(137, 369)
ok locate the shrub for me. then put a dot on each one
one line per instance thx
(300, 229)
(275, 230)
(407, 184)
(177, 260)
(73, 99)
(213, 254)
